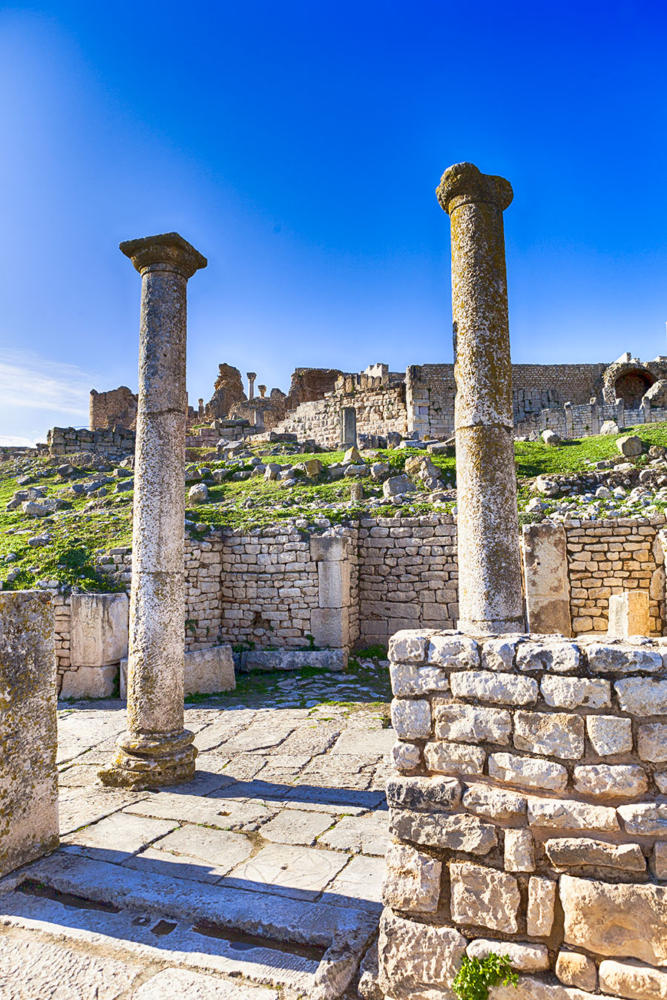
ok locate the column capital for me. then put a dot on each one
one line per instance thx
(464, 183)
(166, 251)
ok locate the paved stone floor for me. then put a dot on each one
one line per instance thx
(260, 879)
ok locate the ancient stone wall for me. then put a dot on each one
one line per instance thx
(527, 816)
(116, 408)
(408, 575)
(377, 411)
(114, 444)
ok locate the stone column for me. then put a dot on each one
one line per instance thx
(490, 597)
(262, 391)
(251, 376)
(156, 749)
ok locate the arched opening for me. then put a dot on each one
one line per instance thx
(631, 386)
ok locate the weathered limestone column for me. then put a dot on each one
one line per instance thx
(156, 749)
(251, 376)
(488, 532)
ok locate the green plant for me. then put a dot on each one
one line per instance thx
(475, 977)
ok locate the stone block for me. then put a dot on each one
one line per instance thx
(528, 772)
(408, 646)
(330, 627)
(642, 696)
(454, 758)
(659, 862)
(604, 658)
(568, 814)
(90, 682)
(484, 897)
(519, 851)
(293, 659)
(556, 734)
(433, 794)
(496, 804)
(415, 959)
(456, 651)
(615, 920)
(576, 692)
(28, 729)
(452, 831)
(609, 735)
(99, 629)
(553, 657)
(496, 688)
(577, 970)
(568, 852)
(652, 742)
(412, 880)
(523, 957)
(408, 678)
(541, 906)
(645, 819)
(547, 586)
(633, 980)
(333, 579)
(405, 756)
(207, 671)
(331, 548)
(629, 614)
(411, 719)
(472, 724)
(611, 780)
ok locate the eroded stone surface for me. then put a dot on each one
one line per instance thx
(412, 880)
(416, 960)
(484, 897)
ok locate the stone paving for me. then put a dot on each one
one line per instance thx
(260, 879)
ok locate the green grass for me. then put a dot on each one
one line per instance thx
(80, 535)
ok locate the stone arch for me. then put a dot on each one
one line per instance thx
(627, 380)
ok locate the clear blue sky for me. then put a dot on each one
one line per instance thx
(298, 145)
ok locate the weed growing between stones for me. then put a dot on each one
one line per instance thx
(476, 977)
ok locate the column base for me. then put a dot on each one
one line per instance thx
(492, 626)
(143, 761)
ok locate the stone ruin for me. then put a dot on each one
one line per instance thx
(528, 800)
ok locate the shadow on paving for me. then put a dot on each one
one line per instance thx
(274, 792)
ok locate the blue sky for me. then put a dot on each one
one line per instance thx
(298, 146)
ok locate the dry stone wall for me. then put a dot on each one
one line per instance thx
(115, 444)
(528, 815)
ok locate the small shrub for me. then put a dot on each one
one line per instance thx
(475, 977)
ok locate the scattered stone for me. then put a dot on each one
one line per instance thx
(630, 446)
(198, 493)
(397, 485)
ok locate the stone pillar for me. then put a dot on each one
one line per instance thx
(156, 749)
(262, 391)
(28, 729)
(330, 621)
(490, 597)
(547, 584)
(251, 376)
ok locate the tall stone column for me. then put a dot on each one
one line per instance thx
(490, 598)
(251, 376)
(156, 749)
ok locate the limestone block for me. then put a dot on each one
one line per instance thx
(556, 734)
(294, 659)
(617, 921)
(455, 832)
(433, 794)
(527, 772)
(28, 733)
(496, 804)
(415, 959)
(457, 651)
(547, 586)
(207, 671)
(407, 678)
(523, 957)
(498, 654)
(541, 906)
(629, 614)
(642, 696)
(454, 758)
(575, 692)
(606, 659)
(652, 742)
(405, 756)
(496, 688)
(412, 880)
(659, 863)
(408, 646)
(554, 657)
(611, 780)
(519, 851)
(472, 724)
(609, 735)
(89, 682)
(578, 970)
(333, 580)
(648, 819)
(567, 852)
(99, 629)
(411, 719)
(568, 814)
(484, 897)
(330, 627)
(633, 980)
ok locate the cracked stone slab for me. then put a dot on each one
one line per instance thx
(218, 849)
(294, 826)
(367, 834)
(113, 838)
(225, 813)
(283, 869)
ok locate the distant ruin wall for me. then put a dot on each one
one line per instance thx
(377, 411)
(115, 444)
(116, 408)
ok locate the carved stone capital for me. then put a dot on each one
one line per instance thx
(463, 184)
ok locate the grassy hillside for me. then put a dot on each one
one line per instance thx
(90, 523)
